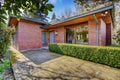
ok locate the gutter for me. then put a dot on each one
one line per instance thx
(112, 14)
(97, 30)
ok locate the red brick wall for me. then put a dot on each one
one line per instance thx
(28, 35)
(102, 33)
(92, 32)
(59, 37)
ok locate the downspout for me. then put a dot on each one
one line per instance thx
(112, 14)
(97, 34)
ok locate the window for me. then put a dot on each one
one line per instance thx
(69, 35)
(44, 37)
(82, 35)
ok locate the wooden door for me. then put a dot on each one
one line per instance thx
(108, 34)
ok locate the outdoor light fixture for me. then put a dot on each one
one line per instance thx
(104, 13)
(56, 32)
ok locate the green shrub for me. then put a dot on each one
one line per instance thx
(5, 38)
(116, 37)
(5, 65)
(104, 55)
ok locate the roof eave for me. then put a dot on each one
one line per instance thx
(85, 14)
(29, 19)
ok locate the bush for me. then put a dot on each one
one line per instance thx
(116, 37)
(5, 38)
(104, 55)
(5, 65)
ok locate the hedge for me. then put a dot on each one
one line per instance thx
(104, 55)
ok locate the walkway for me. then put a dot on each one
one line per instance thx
(44, 65)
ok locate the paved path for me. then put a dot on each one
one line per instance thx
(44, 65)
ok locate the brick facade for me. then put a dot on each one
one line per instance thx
(60, 35)
(92, 32)
(102, 32)
(28, 35)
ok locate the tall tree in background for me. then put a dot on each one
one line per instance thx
(66, 14)
(37, 15)
(53, 16)
(86, 3)
(78, 9)
(91, 4)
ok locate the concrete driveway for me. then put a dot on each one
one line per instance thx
(44, 65)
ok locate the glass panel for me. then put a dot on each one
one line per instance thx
(44, 37)
(69, 36)
(51, 37)
(82, 35)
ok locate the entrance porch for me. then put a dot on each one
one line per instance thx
(91, 28)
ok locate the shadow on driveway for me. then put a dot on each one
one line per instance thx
(40, 56)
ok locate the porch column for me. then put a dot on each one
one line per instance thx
(102, 34)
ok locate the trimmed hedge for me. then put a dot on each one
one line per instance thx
(104, 55)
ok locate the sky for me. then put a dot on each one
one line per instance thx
(60, 6)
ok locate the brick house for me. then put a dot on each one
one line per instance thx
(28, 33)
(91, 28)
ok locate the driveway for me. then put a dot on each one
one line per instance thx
(44, 65)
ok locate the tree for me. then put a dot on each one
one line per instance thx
(78, 9)
(53, 16)
(15, 7)
(36, 15)
(86, 3)
(66, 13)
(116, 36)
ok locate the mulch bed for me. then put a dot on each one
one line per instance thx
(8, 74)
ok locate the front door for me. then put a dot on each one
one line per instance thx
(44, 41)
(51, 37)
(108, 34)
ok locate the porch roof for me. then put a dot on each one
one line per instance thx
(79, 18)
